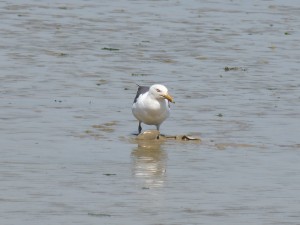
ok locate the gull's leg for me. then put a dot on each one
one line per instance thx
(157, 127)
(140, 127)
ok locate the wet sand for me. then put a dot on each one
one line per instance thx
(68, 75)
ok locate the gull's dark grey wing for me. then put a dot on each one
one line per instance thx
(141, 90)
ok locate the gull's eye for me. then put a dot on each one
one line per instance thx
(158, 90)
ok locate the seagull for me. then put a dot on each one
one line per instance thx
(151, 105)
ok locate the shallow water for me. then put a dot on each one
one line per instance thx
(68, 75)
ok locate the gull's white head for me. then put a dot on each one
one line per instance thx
(159, 91)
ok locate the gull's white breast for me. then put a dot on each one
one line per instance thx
(150, 111)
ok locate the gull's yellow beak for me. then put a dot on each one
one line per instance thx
(168, 97)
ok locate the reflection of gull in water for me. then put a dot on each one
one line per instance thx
(149, 164)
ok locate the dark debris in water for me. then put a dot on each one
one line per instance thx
(110, 49)
(62, 54)
(235, 68)
(138, 74)
(57, 53)
(99, 214)
(63, 7)
(101, 82)
(110, 174)
(220, 115)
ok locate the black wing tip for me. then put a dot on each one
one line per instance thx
(141, 90)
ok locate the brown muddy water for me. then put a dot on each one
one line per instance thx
(68, 75)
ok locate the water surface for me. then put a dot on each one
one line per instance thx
(68, 75)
